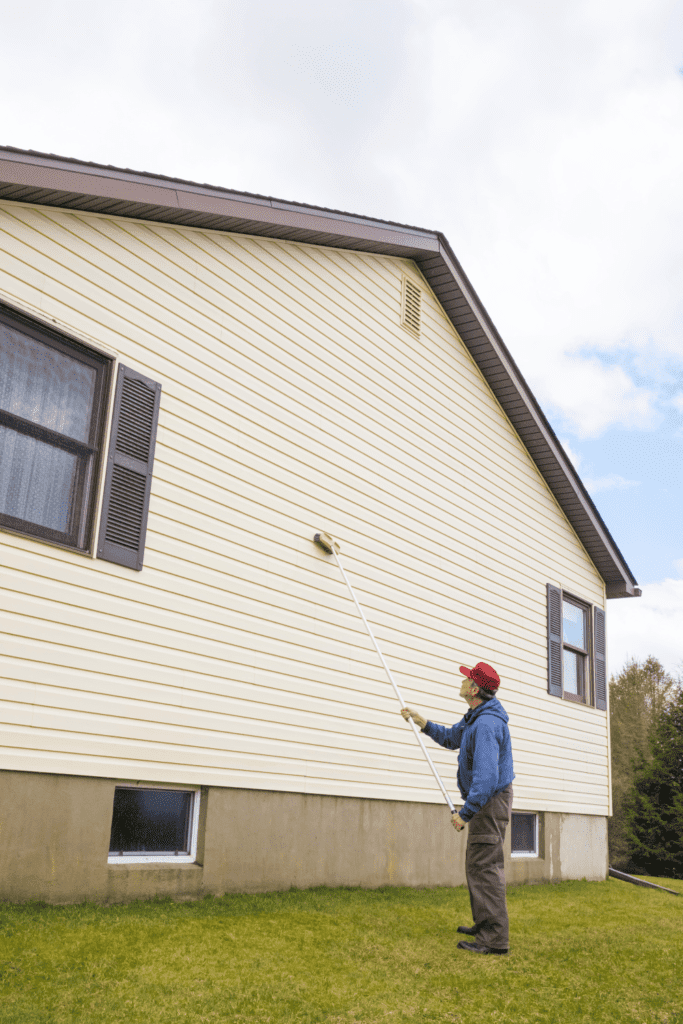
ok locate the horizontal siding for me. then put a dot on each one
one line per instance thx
(341, 409)
(292, 401)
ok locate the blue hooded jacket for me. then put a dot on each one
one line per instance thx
(485, 758)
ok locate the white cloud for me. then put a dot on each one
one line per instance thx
(613, 482)
(677, 401)
(651, 624)
(574, 457)
(590, 395)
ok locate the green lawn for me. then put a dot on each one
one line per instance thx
(671, 883)
(580, 951)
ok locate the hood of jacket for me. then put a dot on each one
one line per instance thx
(489, 707)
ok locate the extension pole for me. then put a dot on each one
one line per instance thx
(331, 546)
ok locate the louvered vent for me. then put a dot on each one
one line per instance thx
(137, 416)
(410, 313)
(126, 508)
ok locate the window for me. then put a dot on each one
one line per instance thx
(576, 649)
(575, 674)
(53, 398)
(154, 824)
(524, 835)
(52, 394)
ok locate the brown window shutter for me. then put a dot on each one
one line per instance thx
(554, 640)
(600, 659)
(128, 480)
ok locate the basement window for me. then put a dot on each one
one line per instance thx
(524, 840)
(154, 824)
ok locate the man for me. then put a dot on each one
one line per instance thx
(485, 782)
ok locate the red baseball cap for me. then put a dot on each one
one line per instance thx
(483, 675)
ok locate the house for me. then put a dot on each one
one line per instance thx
(193, 382)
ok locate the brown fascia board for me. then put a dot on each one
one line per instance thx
(45, 179)
(76, 185)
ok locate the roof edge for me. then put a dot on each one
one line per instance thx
(115, 182)
(629, 587)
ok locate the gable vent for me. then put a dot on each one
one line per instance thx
(410, 307)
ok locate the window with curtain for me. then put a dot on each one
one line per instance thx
(51, 393)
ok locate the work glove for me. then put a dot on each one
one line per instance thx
(407, 713)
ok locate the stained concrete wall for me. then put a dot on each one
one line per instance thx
(54, 841)
(583, 846)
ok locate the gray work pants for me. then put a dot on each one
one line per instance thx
(485, 870)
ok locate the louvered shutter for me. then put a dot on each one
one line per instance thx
(554, 640)
(128, 480)
(600, 659)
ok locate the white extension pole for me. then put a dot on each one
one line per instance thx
(418, 737)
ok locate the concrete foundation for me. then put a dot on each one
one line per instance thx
(54, 842)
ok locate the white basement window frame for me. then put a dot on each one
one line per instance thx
(525, 853)
(162, 857)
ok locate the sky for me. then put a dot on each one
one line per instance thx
(544, 140)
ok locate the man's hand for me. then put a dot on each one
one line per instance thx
(407, 713)
(457, 822)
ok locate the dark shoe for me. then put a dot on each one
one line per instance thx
(474, 948)
(466, 930)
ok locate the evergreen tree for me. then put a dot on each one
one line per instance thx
(637, 696)
(653, 812)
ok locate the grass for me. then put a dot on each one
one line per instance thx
(580, 951)
(669, 883)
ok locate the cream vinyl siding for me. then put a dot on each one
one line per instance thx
(293, 401)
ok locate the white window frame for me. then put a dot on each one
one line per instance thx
(526, 853)
(160, 858)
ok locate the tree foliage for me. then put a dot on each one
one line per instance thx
(637, 695)
(653, 810)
